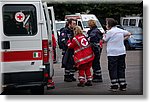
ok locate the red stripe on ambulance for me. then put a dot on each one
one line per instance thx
(21, 55)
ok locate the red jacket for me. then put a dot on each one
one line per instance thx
(82, 50)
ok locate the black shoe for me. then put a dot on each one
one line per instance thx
(114, 88)
(123, 87)
(96, 80)
(67, 78)
(80, 84)
(88, 83)
(72, 77)
(50, 85)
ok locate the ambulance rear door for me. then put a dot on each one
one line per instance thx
(0, 51)
(21, 37)
(49, 32)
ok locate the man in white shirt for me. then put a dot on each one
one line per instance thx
(116, 54)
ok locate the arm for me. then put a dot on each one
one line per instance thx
(71, 44)
(106, 37)
(126, 36)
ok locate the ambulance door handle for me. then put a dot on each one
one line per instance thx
(5, 45)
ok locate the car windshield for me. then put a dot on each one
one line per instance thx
(60, 25)
(85, 24)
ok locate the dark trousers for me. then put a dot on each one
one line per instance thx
(68, 62)
(96, 62)
(116, 67)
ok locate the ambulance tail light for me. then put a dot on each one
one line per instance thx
(45, 49)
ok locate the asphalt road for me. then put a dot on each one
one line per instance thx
(134, 78)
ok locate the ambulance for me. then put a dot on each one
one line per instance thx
(82, 21)
(26, 45)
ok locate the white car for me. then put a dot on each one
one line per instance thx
(59, 25)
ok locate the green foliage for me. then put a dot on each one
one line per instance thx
(102, 11)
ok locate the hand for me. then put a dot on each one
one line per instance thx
(68, 41)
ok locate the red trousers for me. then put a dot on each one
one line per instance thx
(84, 70)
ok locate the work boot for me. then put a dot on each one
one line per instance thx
(72, 77)
(114, 88)
(123, 87)
(50, 85)
(88, 83)
(67, 78)
(97, 79)
(81, 84)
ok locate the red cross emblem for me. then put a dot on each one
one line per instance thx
(19, 16)
(84, 42)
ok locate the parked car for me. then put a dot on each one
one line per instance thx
(121, 27)
(136, 38)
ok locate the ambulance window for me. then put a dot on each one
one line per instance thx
(19, 20)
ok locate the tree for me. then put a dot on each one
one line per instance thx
(101, 10)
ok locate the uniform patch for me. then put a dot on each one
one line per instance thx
(62, 34)
(84, 42)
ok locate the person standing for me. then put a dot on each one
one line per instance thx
(94, 37)
(83, 56)
(116, 54)
(67, 60)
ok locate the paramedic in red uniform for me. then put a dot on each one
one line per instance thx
(83, 56)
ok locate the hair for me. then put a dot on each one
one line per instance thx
(69, 21)
(92, 23)
(77, 30)
(111, 22)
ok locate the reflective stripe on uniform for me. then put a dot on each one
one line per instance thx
(114, 80)
(67, 71)
(82, 48)
(81, 77)
(69, 44)
(98, 71)
(122, 79)
(76, 41)
(85, 58)
(114, 84)
(122, 83)
(89, 78)
(98, 74)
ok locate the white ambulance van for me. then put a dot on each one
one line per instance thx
(82, 21)
(26, 44)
